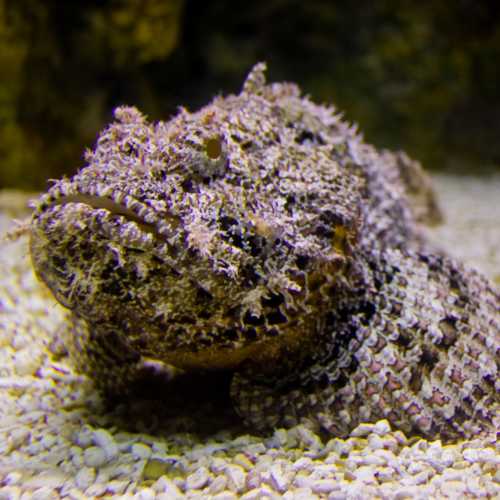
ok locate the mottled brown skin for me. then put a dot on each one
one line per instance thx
(263, 237)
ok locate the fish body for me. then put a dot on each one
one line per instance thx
(261, 236)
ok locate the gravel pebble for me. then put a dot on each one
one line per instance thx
(84, 478)
(19, 436)
(117, 486)
(27, 362)
(243, 461)
(12, 478)
(300, 494)
(44, 493)
(103, 439)
(94, 457)
(323, 486)
(85, 437)
(366, 474)
(280, 479)
(96, 490)
(141, 451)
(303, 463)
(145, 494)
(306, 437)
(236, 477)
(10, 493)
(198, 479)
(218, 465)
(217, 485)
(253, 494)
(167, 486)
(225, 495)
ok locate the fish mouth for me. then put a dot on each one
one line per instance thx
(163, 225)
(76, 230)
(139, 216)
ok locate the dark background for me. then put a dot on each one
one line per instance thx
(422, 76)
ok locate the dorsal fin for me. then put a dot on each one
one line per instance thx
(256, 79)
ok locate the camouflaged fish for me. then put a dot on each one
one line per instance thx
(262, 237)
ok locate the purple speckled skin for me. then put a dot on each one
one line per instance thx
(262, 237)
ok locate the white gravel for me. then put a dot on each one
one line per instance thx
(58, 440)
(471, 206)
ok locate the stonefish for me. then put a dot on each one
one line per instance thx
(262, 237)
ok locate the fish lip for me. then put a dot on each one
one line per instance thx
(113, 200)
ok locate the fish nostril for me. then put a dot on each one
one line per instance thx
(203, 296)
(250, 319)
(273, 300)
(302, 261)
(276, 317)
(227, 222)
(187, 185)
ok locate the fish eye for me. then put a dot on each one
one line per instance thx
(213, 147)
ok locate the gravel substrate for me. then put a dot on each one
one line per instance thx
(471, 207)
(59, 440)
